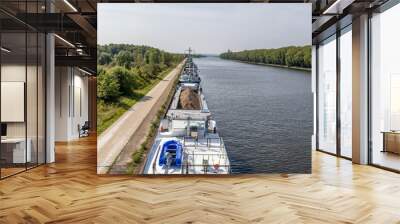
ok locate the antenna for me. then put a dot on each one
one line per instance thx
(189, 51)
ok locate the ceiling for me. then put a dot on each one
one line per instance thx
(75, 21)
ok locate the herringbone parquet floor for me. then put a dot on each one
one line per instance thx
(69, 191)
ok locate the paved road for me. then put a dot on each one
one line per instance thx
(129, 127)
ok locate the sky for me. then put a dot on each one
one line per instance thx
(206, 28)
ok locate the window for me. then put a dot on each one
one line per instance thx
(385, 89)
(346, 92)
(327, 95)
(22, 98)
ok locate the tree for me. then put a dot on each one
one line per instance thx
(146, 57)
(148, 71)
(307, 56)
(104, 58)
(162, 58)
(290, 57)
(124, 58)
(107, 86)
(287, 56)
(153, 56)
(134, 66)
(139, 59)
(125, 79)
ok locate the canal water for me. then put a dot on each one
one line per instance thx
(263, 113)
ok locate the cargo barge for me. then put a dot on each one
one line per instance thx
(187, 140)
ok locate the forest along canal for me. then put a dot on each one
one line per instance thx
(264, 114)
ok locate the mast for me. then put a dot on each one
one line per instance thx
(189, 52)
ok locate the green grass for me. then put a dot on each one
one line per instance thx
(108, 113)
(139, 154)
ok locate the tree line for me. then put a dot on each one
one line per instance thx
(124, 68)
(291, 56)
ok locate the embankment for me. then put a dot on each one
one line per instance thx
(117, 143)
(273, 65)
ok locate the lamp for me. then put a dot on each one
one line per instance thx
(64, 40)
(5, 50)
(70, 5)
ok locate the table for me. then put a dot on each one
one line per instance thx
(391, 141)
(13, 150)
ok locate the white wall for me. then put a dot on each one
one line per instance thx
(13, 101)
(80, 110)
(12, 73)
(71, 102)
(62, 81)
(16, 73)
(33, 126)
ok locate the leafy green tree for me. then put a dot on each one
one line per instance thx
(139, 59)
(146, 57)
(286, 56)
(291, 57)
(162, 58)
(153, 56)
(307, 57)
(125, 79)
(107, 86)
(148, 71)
(104, 58)
(132, 66)
(124, 58)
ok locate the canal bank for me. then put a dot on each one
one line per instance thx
(117, 143)
(272, 65)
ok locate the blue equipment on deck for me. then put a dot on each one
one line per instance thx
(173, 148)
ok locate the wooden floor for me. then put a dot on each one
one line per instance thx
(387, 159)
(8, 171)
(69, 191)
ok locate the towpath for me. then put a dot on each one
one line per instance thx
(117, 143)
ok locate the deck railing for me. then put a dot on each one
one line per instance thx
(209, 165)
(208, 141)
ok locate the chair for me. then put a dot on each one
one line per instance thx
(84, 130)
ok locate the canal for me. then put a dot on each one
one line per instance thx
(263, 113)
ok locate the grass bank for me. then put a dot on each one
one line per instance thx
(139, 156)
(108, 113)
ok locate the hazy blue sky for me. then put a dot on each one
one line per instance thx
(206, 28)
